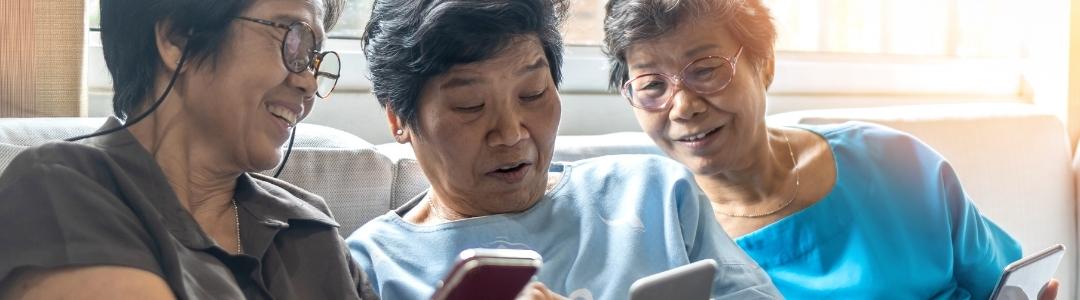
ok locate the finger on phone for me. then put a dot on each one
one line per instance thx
(1049, 291)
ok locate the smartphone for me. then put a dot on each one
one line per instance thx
(489, 274)
(1023, 279)
(691, 281)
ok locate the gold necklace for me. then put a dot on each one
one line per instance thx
(795, 166)
(236, 213)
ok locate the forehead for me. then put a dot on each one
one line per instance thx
(518, 53)
(691, 39)
(287, 11)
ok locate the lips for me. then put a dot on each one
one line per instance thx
(511, 172)
(287, 114)
(699, 136)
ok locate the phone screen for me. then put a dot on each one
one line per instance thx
(1024, 278)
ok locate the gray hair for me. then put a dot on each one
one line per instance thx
(631, 21)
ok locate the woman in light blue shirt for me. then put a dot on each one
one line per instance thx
(830, 212)
(472, 86)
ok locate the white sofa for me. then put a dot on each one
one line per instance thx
(1014, 161)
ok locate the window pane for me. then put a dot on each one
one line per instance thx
(93, 13)
(350, 25)
(353, 19)
(585, 22)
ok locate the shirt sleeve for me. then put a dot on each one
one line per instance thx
(738, 277)
(53, 216)
(363, 286)
(981, 249)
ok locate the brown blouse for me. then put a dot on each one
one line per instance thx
(105, 201)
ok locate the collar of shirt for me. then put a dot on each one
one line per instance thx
(267, 205)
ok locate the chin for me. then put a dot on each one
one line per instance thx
(266, 161)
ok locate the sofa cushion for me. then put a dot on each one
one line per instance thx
(345, 170)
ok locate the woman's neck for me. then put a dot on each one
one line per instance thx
(767, 178)
(197, 172)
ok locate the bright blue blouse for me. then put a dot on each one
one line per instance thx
(897, 225)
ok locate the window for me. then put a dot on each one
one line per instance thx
(845, 45)
(951, 28)
(350, 26)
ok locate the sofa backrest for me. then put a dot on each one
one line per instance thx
(1013, 160)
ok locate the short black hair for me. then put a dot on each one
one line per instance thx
(631, 21)
(407, 42)
(128, 39)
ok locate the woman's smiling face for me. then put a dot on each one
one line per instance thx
(248, 101)
(712, 132)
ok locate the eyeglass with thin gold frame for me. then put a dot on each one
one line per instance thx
(705, 75)
(299, 52)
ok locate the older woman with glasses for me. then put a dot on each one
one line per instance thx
(830, 212)
(161, 203)
(472, 86)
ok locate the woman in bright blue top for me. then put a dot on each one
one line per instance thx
(472, 86)
(831, 212)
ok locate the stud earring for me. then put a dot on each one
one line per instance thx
(399, 132)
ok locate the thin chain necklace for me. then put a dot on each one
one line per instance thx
(795, 166)
(439, 214)
(236, 213)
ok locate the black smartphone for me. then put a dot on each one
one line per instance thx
(1024, 278)
(489, 274)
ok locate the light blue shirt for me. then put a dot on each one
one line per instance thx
(606, 223)
(897, 225)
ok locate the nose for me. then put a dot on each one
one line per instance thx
(509, 127)
(686, 104)
(304, 82)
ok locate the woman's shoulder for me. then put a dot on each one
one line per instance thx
(54, 156)
(631, 177)
(628, 165)
(291, 196)
(858, 132)
(860, 141)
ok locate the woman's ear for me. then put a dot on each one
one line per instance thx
(401, 134)
(170, 44)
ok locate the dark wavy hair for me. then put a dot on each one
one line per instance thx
(407, 42)
(128, 39)
(631, 21)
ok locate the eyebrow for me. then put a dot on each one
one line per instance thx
(691, 54)
(456, 82)
(288, 19)
(540, 63)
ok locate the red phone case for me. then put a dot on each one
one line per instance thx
(489, 274)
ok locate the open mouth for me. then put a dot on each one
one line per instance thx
(511, 173)
(283, 114)
(700, 136)
(511, 168)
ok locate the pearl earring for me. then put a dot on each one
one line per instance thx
(399, 132)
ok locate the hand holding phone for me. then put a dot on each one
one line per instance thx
(489, 274)
(1024, 278)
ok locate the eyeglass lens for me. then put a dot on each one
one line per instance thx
(327, 73)
(298, 47)
(708, 75)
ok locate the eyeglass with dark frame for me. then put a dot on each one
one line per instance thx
(299, 52)
(707, 75)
